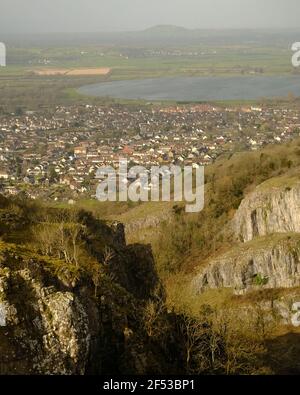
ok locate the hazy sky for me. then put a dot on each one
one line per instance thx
(110, 15)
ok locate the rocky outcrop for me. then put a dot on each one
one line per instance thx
(274, 207)
(267, 262)
(79, 306)
(266, 228)
(281, 307)
(50, 327)
(150, 221)
(268, 307)
(43, 330)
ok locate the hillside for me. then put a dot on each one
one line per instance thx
(242, 251)
(77, 298)
(165, 29)
(71, 300)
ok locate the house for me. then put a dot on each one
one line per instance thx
(127, 150)
(80, 151)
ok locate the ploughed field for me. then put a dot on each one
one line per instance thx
(73, 72)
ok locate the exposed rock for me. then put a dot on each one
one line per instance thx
(274, 207)
(267, 226)
(67, 334)
(151, 221)
(47, 327)
(267, 262)
(41, 331)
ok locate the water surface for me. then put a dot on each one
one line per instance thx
(197, 88)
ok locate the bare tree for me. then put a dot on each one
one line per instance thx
(97, 277)
(61, 237)
(193, 332)
(108, 256)
(99, 268)
(152, 317)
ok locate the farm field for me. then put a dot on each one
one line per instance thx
(73, 72)
(42, 73)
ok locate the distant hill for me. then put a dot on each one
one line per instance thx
(160, 35)
(166, 29)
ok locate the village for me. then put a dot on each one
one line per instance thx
(55, 154)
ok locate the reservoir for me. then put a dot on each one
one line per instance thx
(197, 88)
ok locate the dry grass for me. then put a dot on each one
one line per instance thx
(73, 72)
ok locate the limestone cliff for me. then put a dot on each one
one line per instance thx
(266, 262)
(50, 327)
(44, 329)
(82, 313)
(266, 248)
(274, 207)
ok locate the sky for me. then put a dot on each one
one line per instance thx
(34, 16)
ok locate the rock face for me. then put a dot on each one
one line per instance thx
(269, 210)
(267, 253)
(151, 221)
(42, 330)
(49, 327)
(79, 306)
(267, 262)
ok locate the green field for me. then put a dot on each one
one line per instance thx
(20, 87)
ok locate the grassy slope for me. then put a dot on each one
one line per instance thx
(188, 241)
(185, 241)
